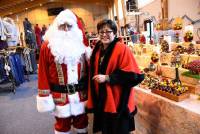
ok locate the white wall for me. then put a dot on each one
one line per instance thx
(182, 7)
(90, 13)
(142, 3)
(154, 9)
(176, 8)
(186, 7)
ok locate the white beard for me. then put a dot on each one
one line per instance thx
(67, 47)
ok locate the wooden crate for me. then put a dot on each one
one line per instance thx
(171, 96)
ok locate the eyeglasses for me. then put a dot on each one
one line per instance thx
(65, 27)
(106, 32)
(69, 26)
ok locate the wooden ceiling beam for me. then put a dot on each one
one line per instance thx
(4, 3)
(10, 7)
(21, 7)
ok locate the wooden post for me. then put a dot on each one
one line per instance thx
(164, 9)
(110, 10)
(117, 12)
(124, 11)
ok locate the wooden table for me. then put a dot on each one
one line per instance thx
(159, 115)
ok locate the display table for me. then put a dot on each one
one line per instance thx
(184, 44)
(159, 115)
(145, 59)
(168, 71)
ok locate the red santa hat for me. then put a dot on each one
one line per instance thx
(80, 25)
(67, 16)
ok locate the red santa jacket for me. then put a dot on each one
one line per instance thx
(48, 75)
(118, 57)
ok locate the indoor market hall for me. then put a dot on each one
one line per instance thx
(99, 67)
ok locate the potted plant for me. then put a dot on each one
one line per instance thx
(188, 37)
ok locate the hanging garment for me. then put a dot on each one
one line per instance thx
(3, 44)
(27, 60)
(29, 35)
(38, 35)
(3, 76)
(13, 37)
(3, 32)
(17, 68)
(33, 61)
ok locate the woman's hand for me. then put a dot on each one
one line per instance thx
(101, 78)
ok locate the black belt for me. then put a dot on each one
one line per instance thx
(69, 88)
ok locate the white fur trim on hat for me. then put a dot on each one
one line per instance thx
(88, 52)
(62, 111)
(83, 130)
(45, 104)
(66, 16)
(57, 132)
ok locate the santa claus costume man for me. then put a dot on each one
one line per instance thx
(62, 69)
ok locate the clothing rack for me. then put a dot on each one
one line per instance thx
(16, 76)
(19, 49)
(11, 82)
(22, 61)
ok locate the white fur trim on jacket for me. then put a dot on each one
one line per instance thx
(72, 73)
(88, 52)
(45, 104)
(57, 132)
(78, 108)
(75, 107)
(83, 130)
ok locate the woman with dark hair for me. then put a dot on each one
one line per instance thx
(113, 74)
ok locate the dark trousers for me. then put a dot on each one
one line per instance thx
(117, 125)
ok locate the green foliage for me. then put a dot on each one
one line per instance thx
(189, 74)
